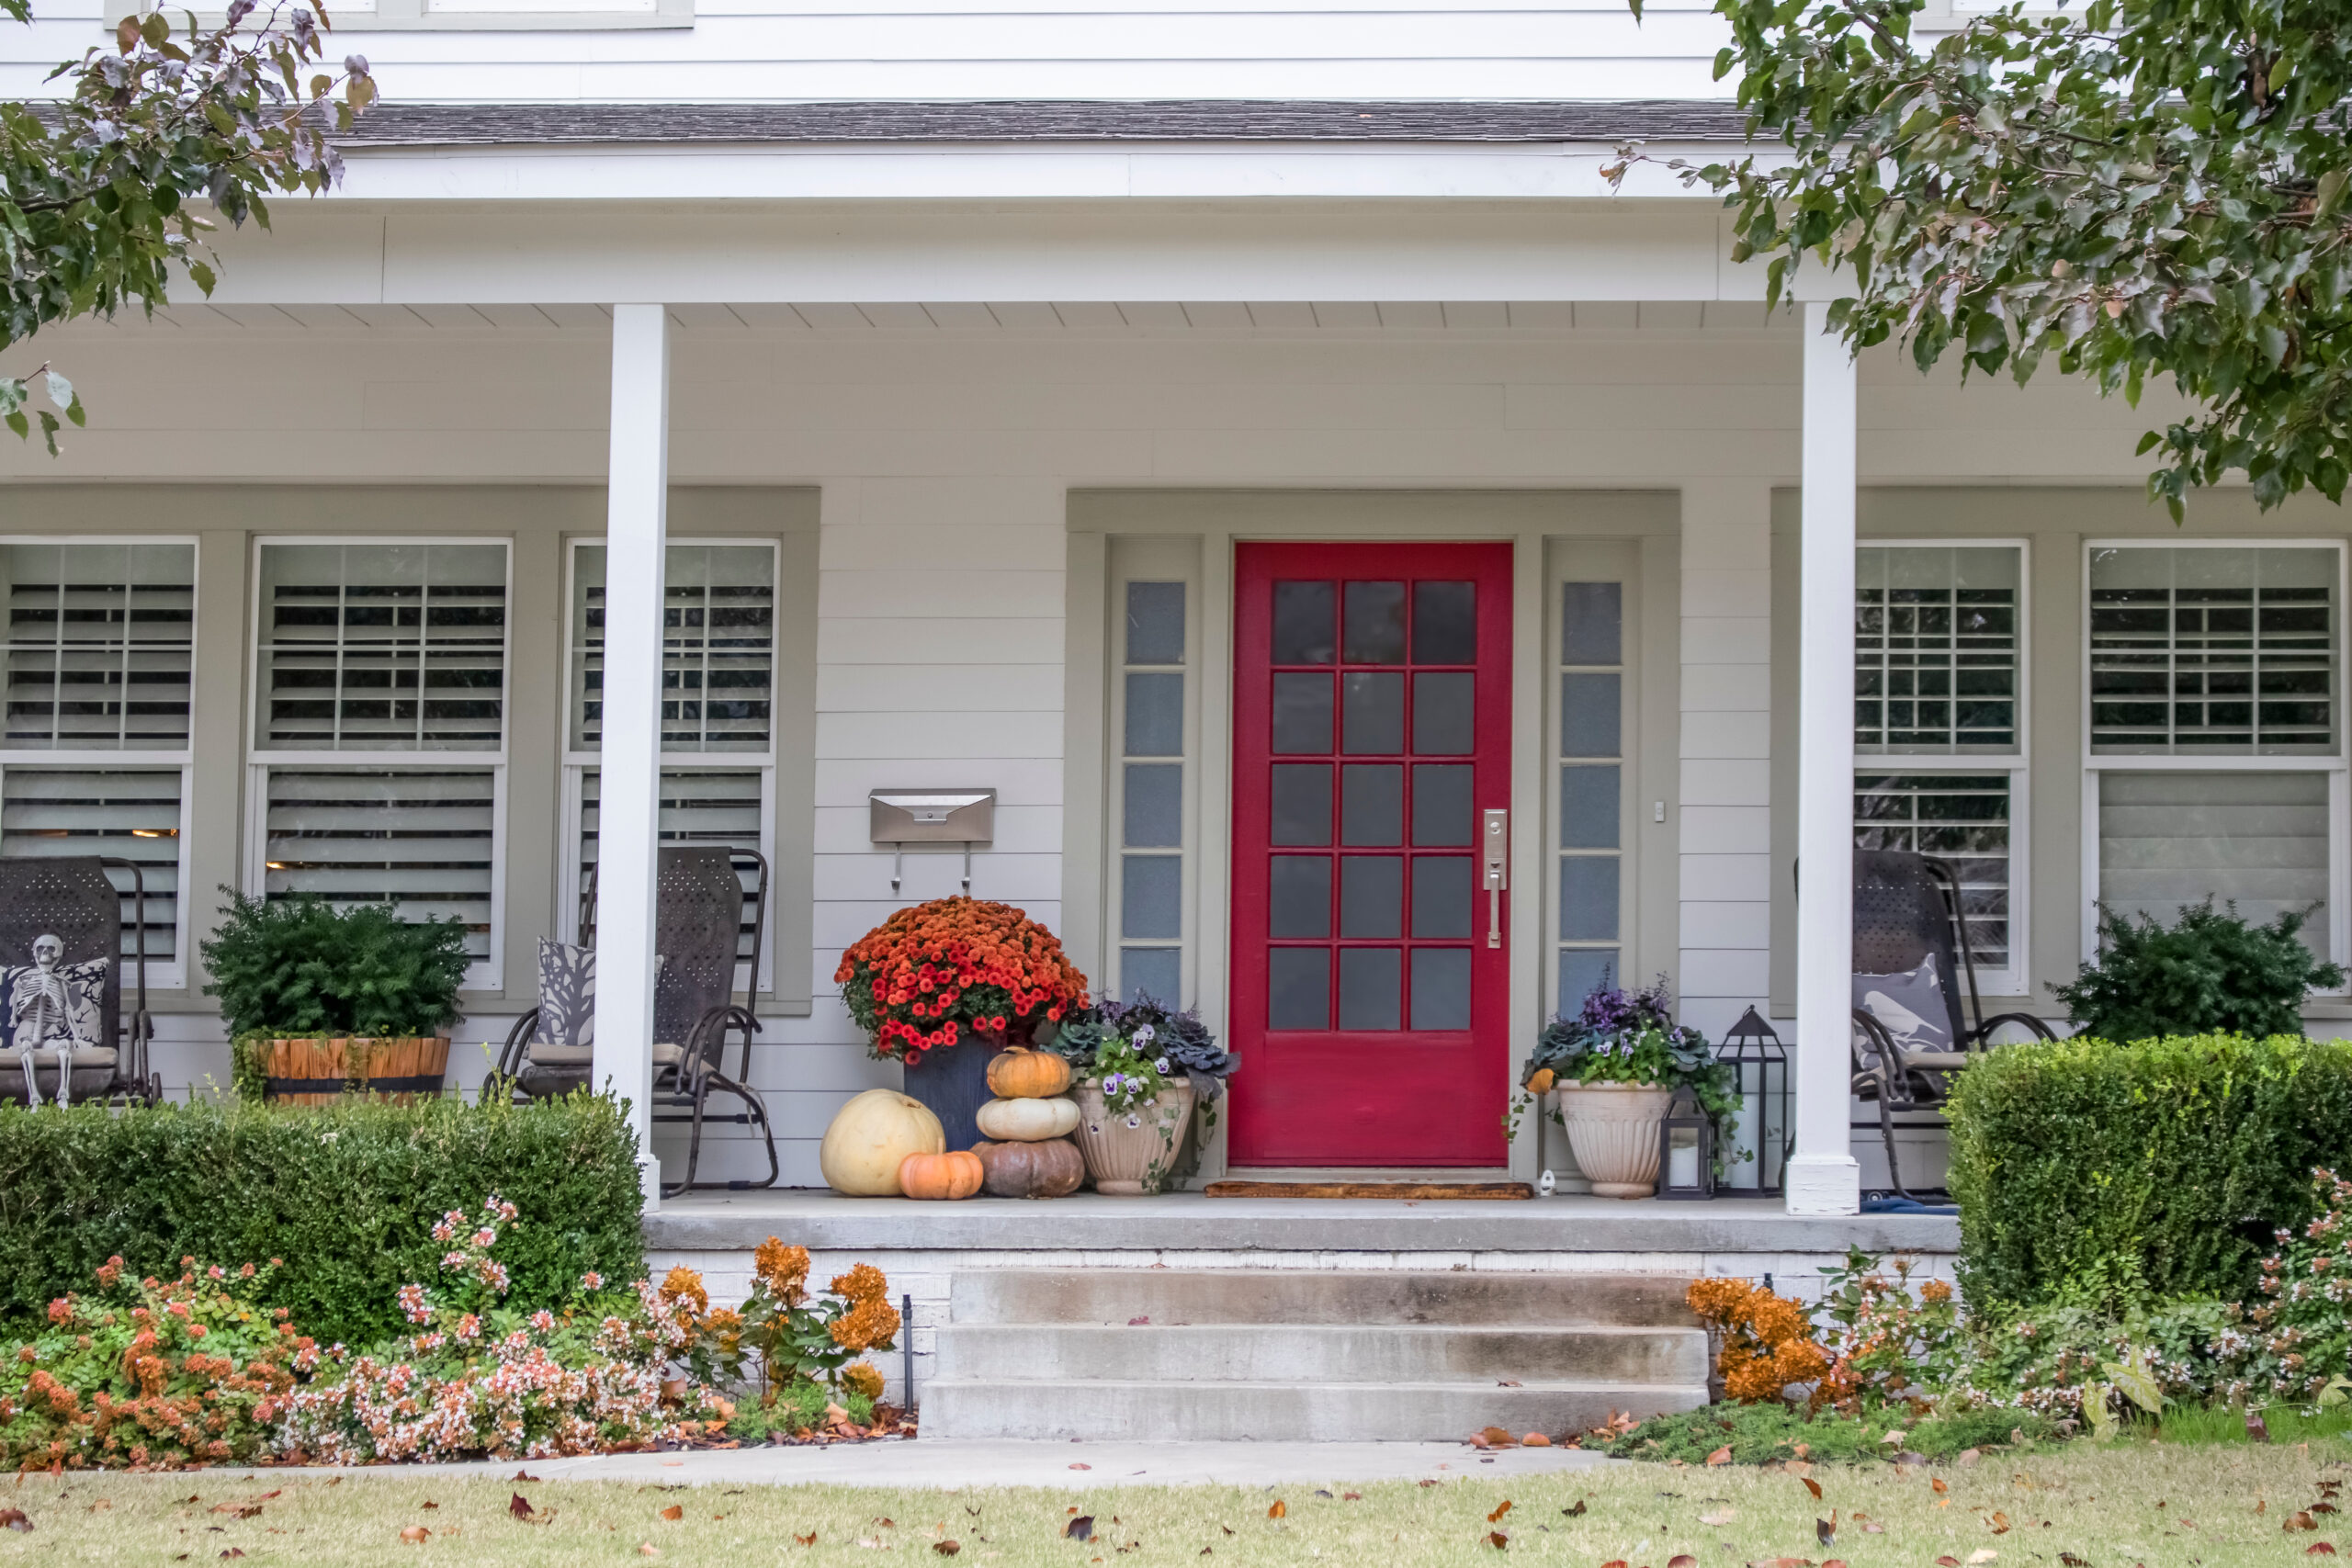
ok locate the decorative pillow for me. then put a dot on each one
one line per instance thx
(45, 1005)
(1910, 1005)
(567, 995)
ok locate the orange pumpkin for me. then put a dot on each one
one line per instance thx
(957, 1174)
(1020, 1073)
(1050, 1168)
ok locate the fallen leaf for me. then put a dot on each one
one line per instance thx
(13, 1518)
(1812, 1485)
(1981, 1554)
(103, 1503)
(1970, 1456)
(2299, 1521)
(2319, 1549)
(519, 1505)
(1826, 1531)
(1498, 1540)
(1798, 1467)
(1803, 1449)
(1871, 1526)
(1719, 1518)
(2323, 1507)
(1614, 1563)
(1081, 1467)
(1281, 1510)
(1895, 1437)
(1498, 1438)
(423, 1505)
(415, 1534)
(1138, 1322)
(1835, 1563)
(646, 1549)
(1080, 1529)
(1721, 1456)
(2071, 1561)
(1682, 1560)
(1576, 1511)
(1999, 1522)
(525, 1475)
(2257, 1431)
(808, 1539)
(1508, 1383)
(947, 1547)
(673, 1513)
(1935, 1485)
(234, 1552)
(1947, 1561)
(1496, 1516)
(1426, 1481)
(1535, 1440)
(1351, 1496)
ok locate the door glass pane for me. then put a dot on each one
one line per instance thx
(1303, 715)
(1441, 988)
(1374, 714)
(1372, 807)
(1301, 803)
(1155, 806)
(1589, 807)
(1587, 898)
(1589, 721)
(1155, 715)
(1444, 714)
(1298, 988)
(2166, 839)
(1371, 987)
(1441, 815)
(1371, 895)
(1591, 623)
(1150, 896)
(1373, 627)
(1154, 971)
(1303, 623)
(1441, 889)
(1299, 897)
(1155, 624)
(1445, 622)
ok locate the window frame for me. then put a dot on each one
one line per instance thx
(2336, 763)
(159, 976)
(575, 764)
(488, 973)
(1597, 558)
(1149, 560)
(2016, 980)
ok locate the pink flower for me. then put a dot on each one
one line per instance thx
(592, 1280)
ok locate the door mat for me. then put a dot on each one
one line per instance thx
(1414, 1191)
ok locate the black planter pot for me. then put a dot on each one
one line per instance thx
(953, 1083)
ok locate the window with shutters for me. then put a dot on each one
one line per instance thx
(1939, 726)
(2214, 691)
(719, 688)
(379, 744)
(93, 744)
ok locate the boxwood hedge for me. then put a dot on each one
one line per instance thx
(347, 1195)
(2160, 1166)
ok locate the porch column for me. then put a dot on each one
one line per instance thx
(629, 765)
(1823, 1178)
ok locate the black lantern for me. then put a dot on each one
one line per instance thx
(1686, 1149)
(1761, 1062)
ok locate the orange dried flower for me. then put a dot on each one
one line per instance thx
(683, 1284)
(864, 1284)
(1767, 1341)
(784, 1269)
(862, 1377)
(871, 1325)
(1934, 1291)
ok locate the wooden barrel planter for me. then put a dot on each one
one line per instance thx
(320, 1072)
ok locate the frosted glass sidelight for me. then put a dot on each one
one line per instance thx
(1587, 898)
(1155, 623)
(1155, 715)
(1154, 971)
(1592, 620)
(1582, 968)
(1588, 806)
(1155, 806)
(1151, 896)
(1590, 723)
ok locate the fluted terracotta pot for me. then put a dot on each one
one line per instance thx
(1126, 1161)
(1613, 1127)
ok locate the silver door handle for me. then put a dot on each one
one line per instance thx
(1494, 842)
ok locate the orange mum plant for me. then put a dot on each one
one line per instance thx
(928, 974)
(1767, 1343)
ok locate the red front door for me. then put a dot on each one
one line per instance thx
(1372, 729)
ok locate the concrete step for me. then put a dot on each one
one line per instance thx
(1287, 1352)
(1169, 1296)
(1278, 1412)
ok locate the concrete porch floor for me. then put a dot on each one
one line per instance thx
(824, 1220)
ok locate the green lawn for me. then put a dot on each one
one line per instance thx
(2133, 1503)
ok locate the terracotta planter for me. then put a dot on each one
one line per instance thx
(320, 1072)
(1613, 1127)
(1129, 1161)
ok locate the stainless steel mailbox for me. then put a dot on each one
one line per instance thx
(903, 817)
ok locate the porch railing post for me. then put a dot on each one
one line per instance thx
(629, 764)
(1822, 1176)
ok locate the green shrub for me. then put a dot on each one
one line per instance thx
(1768, 1434)
(299, 965)
(2205, 973)
(347, 1195)
(2091, 1173)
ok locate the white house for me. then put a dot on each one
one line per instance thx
(1056, 402)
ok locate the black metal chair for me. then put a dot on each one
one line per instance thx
(697, 922)
(1906, 909)
(70, 897)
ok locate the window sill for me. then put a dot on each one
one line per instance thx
(415, 16)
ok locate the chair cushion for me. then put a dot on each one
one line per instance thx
(1935, 1061)
(46, 1056)
(27, 991)
(1909, 1006)
(580, 1055)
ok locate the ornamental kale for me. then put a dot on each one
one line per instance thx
(1180, 1038)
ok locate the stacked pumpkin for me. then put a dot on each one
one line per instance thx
(1025, 1150)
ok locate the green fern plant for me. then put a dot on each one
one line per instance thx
(2207, 973)
(299, 965)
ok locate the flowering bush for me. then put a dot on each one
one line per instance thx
(151, 1374)
(1887, 1343)
(1766, 1344)
(480, 1377)
(921, 977)
(785, 1339)
(2296, 1340)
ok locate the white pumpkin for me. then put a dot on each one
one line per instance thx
(1027, 1121)
(870, 1137)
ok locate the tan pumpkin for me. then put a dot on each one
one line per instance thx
(1019, 1073)
(954, 1174)
(1049, 1169)
(871, 1136)
(1027, 1121)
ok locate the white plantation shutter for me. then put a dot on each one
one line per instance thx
(717, 648)
(129, 813)
(698, 805)
(100, 640)
(1961, 819)
(423, 839)
(1936, 648)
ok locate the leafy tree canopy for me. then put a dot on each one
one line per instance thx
(102, 194)
(2136, 189)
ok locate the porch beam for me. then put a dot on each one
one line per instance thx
(629, 765)
(1822, 1176)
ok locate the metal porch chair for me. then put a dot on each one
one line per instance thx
(1906, 908)
(69, 898)
(697, 919)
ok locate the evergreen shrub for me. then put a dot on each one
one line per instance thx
(2097, 1174)
(347, 1195)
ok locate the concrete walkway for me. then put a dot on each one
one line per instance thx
(922, 1462)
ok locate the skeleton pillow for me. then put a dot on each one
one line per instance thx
(51, 1001)
(1911, 1006)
